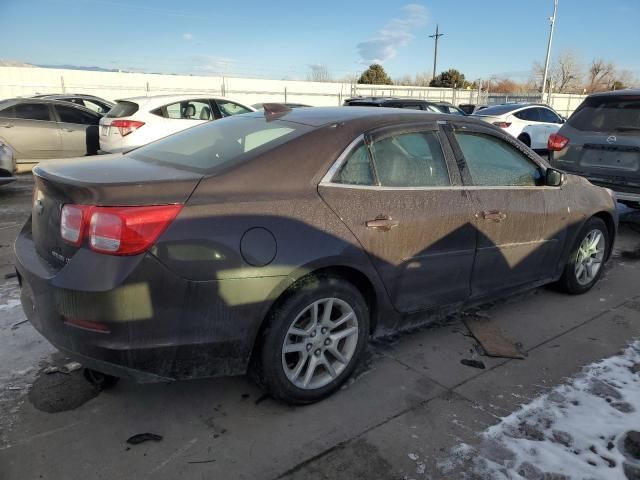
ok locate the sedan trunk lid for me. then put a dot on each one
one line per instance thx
(109, 180)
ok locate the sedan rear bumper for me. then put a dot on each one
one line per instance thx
(150, 325)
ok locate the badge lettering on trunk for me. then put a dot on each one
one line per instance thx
(612, 139)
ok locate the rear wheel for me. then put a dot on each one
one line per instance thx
(524, 138)
(586, 260)
(100, 380)
(313, 341)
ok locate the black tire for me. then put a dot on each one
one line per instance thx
(524, 138)
(569, 281)
(267, 364)
(101, 381)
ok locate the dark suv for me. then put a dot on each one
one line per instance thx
(410, 103)
(601, 141)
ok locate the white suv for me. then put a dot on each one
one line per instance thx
(133, 122)
(530, 123)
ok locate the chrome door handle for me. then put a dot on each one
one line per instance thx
(7, 125)
(493, 215)
(70, 130)
(382, 223)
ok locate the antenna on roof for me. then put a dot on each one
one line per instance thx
(275, 108)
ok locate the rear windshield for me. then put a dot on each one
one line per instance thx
(220, 144)
(122, 109)
(499, 109)
(613, 114)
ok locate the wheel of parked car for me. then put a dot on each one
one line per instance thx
(100, 380)
(587, 257)
(524, 138)
(313, 340)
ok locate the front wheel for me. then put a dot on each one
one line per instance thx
(313, 341)
(587, 258)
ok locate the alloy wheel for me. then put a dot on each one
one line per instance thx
(590, 257)
(320, 343)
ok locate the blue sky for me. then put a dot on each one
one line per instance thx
(281, 39)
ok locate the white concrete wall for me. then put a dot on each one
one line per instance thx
(24, 81)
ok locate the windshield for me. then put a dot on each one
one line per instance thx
(613, 114)
(214, 145)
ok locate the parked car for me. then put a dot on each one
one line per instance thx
(470, 108)
(601, 141)
(389, 102)
(133, 122)
(446, 107)
(260, 106)
(37, 129)
(7, 165)
(529, 122)
(97, 104)
(279, 242)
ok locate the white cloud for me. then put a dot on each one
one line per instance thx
(213, 64)
(397, 33)
(187, 37)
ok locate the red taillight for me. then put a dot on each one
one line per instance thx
(502, 124)
(125, 127)
(72, 223)
(556, 142)
(121, 230)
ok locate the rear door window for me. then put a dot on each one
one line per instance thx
(494, 162)
(32, 111)
(410, 160)
(613, 114)
(75, 115)
(189, 110)
(529, 114)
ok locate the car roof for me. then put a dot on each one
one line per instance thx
(617, 93)
(50, 101)
(54, 96)
(373, 117)
(160, 100)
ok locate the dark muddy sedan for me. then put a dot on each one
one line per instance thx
(278, 243)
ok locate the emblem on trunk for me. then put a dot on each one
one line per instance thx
(612, 139)
(39, 207)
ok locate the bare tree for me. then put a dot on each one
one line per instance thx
(600, 76)
(403, 80)
(565, 73)
(422, 79)
(319, 73)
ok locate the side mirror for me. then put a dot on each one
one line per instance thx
(554, 178)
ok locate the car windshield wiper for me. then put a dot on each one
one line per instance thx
(626, 129)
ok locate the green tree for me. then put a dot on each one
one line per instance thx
(452, 78)
(375, 75)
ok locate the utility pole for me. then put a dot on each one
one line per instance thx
(437, 35)
(552, 21)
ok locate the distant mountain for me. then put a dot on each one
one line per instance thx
(13, 63)
(79, 67)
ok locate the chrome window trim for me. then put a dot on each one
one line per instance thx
(326, 180)
(446, 187)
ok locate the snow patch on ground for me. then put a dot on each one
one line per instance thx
(573, 432)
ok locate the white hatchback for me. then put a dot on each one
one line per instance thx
(134, 122)
(530, 123)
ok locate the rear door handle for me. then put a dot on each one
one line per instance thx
(70, 130)
(7, 125)
(382, 223)
(493, 215)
